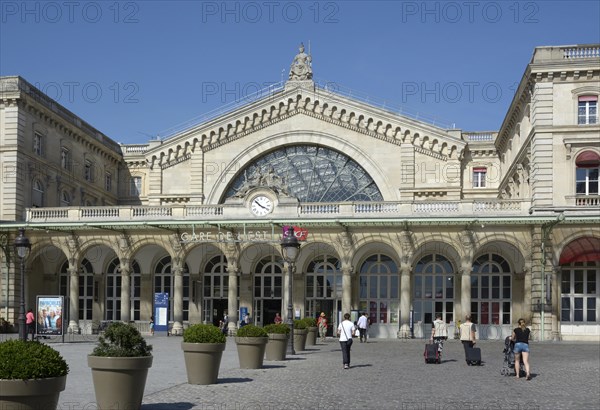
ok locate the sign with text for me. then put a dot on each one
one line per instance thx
(300, 233)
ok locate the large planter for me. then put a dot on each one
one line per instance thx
(276, 346)
(300, 339)
(202, 361)
(119, 382)
(251, 351)
(31, 394)
(311, 337)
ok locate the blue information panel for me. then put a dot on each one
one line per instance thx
(161, 312)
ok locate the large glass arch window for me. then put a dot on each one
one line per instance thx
(433, 289)
(112, 310)
(164, 283)
(491, 290)
(310, 173)
(379, 290)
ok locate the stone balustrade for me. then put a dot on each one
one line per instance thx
(384, 210)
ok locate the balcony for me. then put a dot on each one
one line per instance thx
(312, 211)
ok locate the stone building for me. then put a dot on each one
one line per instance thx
(397, 217)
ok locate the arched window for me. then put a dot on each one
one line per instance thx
(113, 290)
(586, 176)
(580, 295)
(433, 289)
(164, 283)
(215, 280)
(86, 287)
(268, 288)
(491, 290)
(309, 172)
(379, 291)
(37, 194)
(323, 285)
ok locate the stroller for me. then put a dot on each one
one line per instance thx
(509, 358)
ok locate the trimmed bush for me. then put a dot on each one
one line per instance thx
(30, 360)
(310, 321)
(277, 328)
(251, 331)
(300, 324)
(122, 340)
(201, 333)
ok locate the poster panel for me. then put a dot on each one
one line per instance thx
(49, 320)
(161, 312)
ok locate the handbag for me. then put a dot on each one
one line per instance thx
(357, 333)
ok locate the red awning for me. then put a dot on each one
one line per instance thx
(588, 159)
(586, 249)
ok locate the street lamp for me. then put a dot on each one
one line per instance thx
(290, 248)
(22, 248)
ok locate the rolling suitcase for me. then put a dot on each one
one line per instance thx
(473, 356)
(431, 353)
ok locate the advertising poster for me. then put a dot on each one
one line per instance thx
(161, 312)
(49, 315)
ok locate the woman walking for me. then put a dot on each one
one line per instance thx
(345, 331)
(521, 338)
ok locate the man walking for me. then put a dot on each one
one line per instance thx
(363, 326)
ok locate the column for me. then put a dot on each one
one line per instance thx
(73, 277)
(125, 291)
(177, 298)
(465, 289)
(346, 289)
(232, 297)
(405, 301)
(555, 293)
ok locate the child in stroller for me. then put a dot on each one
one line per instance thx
(509, 358)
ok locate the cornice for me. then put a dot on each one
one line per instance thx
(329, 108)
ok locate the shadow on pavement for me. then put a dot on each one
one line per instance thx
(168, 406)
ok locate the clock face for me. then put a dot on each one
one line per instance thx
(261, 205)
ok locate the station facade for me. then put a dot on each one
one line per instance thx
(397, 217)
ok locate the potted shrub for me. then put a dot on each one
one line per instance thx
(278, 335)
(300, 334)
(203, 347)
(120, 364)
(32, 375)
(311, 326)
(251, 342)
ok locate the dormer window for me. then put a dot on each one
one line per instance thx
(587, 110)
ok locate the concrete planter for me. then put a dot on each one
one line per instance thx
(202, 361)
(311, 338)
(276, 346)
(300, 336)
(251, 351)
(31, 394)
(119, 382)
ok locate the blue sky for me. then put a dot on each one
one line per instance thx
(136, 69)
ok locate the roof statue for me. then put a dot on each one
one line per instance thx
(301, 69)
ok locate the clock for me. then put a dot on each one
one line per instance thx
(261, 205)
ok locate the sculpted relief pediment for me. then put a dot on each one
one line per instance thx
(319, 104)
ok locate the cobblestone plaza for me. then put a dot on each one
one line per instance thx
(384, 374)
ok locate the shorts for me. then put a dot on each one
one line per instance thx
(521, 347)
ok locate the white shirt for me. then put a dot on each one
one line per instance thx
(346, 330)
(362, 322)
